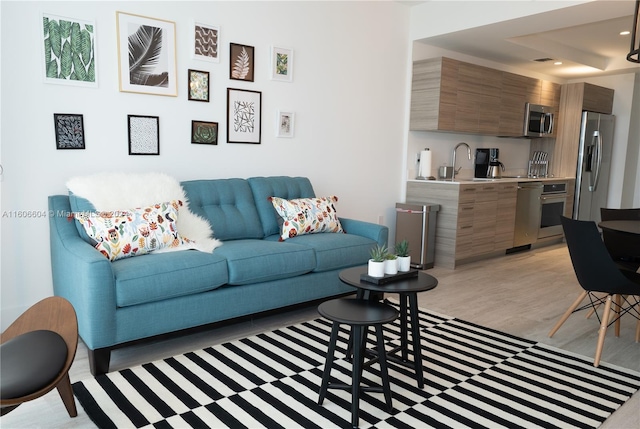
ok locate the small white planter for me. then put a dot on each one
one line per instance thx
(404, 263)
(391, 266)
(376, 269)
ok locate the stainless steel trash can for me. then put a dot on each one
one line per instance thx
(417, 224)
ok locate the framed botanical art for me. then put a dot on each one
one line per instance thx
(241, 66)
(204, 132)
(285, 124)
(206, 42)
(69, 51)
(198, 89)
(144, 135)
(69, 131)
(146, 55)
(244, 111)
(282, 64)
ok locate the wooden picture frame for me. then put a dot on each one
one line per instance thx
(204, 132)
(206, 42)
(156, 74)
(285, 124)
(63, 60)
(241, 63)
(198, 88)
(244, 113)
(144, 135)
(281, 64)
(69, 130)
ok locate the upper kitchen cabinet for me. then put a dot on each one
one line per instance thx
(451, 95)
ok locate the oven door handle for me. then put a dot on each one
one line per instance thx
(561, 197)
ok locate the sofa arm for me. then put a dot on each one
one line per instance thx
(379, 233)
(81, 275)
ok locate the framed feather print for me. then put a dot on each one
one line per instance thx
(146, 55)
(241, 64)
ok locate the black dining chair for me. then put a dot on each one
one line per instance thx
(603, 282)
(624, 248)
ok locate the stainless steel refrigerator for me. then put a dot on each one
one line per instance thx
(594, 165)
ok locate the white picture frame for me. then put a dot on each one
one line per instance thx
(61, 64)
(281, 64)
(205, 43)
(159, 75)
(285, 124)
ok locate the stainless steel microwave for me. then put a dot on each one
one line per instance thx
(538, 120)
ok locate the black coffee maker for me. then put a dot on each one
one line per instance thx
(483, 160)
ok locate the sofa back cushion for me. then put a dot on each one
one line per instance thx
(285, 187)
(227, 204)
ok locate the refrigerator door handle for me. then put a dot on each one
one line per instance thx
(595, 176)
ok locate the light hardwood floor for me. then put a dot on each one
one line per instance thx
(522, 294)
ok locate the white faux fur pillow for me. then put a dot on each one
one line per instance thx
(122, 191)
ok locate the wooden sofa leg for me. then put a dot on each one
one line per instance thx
(99, 361)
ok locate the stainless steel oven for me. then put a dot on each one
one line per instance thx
(553, 205)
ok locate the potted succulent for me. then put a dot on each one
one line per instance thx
(390, 264)
(376, 263)
(404, 260)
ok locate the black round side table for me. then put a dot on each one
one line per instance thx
(407, 290)
(359, 314)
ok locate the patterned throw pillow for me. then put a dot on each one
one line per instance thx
(126, 233)
(307, 216)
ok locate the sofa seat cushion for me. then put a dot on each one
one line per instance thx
(333, 251)
(159, 276)
(255, 261)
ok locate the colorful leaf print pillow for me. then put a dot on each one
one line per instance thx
(307, 216)
(126, 233)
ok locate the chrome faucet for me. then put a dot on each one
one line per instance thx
(453, 175)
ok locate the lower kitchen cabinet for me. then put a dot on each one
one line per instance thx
(475, 219)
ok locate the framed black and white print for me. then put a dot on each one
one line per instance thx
(69, 131)
(285, 124)
(198, 85)
(241, 64)
(204, 132)
(69, 51)
(206, 42)
(282, 64)
(144, 135)
(244, 112)
(146, 55)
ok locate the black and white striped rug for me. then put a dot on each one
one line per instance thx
(475, 377)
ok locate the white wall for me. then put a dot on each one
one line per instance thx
(348, 93)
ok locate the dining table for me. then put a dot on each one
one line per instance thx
(625, 226)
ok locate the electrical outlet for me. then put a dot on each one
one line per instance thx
(380, 220)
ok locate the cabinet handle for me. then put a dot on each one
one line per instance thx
(466, 227)
(467, 208)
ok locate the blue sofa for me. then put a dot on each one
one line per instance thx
(145, 296)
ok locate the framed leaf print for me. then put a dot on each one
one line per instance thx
(69, 131)
(146, 55)
(69, 51)
(244, 111)
(206, 42)
(198, 85)
(204, 132)
(282, 64)
(286, 122)
(241, 64)
(144, 135)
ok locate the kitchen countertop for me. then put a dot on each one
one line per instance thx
(469, 180)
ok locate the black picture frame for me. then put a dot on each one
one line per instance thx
(241, 64)
(144, 134)
(198, 85)
(203, 132)
(69, 129)
(244, 116)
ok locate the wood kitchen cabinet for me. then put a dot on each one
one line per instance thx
(474, 219)
(575, 98)
(451, 95)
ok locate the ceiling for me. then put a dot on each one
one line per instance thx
(585, 38)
